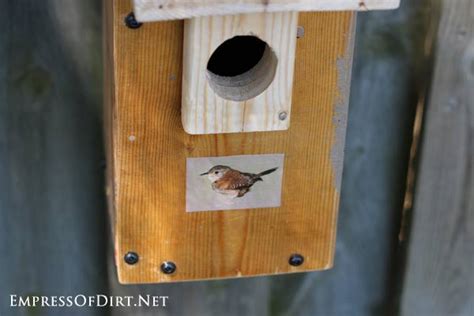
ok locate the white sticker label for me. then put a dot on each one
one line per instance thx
(233, 182)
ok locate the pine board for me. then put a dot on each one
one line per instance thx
(147, 179)
(159, 10)
(203, 111)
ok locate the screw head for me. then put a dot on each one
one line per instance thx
(296, 260)
(131, 257)
(300, 32)
(282, 115)
(131, 22)
(168, 267)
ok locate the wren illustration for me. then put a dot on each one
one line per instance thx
(233, 183)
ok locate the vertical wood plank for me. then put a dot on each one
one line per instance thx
(52, 210)
(149, 166)
(439, 277)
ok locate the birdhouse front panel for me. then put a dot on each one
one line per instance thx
(222, 205)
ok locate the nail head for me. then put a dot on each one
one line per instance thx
(131, 22)
(299, 32)
(296, 260)
(168, 267)
(131, 257)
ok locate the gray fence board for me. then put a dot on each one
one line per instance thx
(439, 278)
(52, 217)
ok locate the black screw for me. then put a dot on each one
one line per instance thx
(131, 257)
(131, 22)
(296, 260)
(168, 267)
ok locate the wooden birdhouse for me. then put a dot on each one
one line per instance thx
(226, 123)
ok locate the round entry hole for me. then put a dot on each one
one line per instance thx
(241, 68)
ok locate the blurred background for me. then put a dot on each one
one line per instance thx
(405, 242)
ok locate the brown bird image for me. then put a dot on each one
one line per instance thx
(231, 182)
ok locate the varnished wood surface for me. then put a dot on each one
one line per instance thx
(439, 276)
(150, 148)
(159, 10)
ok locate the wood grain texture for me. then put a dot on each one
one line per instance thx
(150, 147)
(439, 278)
(159, 10)
(203, 111)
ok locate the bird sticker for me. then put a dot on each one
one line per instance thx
(231, 182)
(241, 182)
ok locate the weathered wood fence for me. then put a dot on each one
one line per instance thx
(54, 237)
